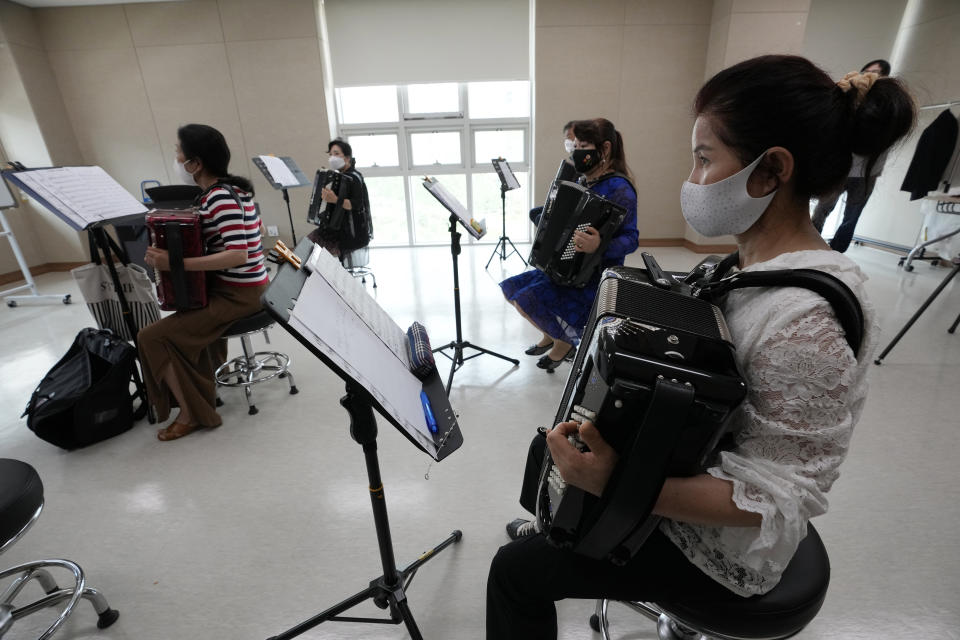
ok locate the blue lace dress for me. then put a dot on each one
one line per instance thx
(562, 312)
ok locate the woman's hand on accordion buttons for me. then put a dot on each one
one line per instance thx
(157, 258)
(586, 241)
(588, 470)
(327, 195)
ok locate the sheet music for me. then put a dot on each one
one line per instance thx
(503, 168)
(338, 331)
(279, 171)
(355, 295)
(85, 195)
(454, 206)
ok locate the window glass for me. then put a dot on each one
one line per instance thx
(433, 98)
(499, 99)
(375, 150)
(368, 104)
(388, 207)
(431, 219)
(437, 147)
(487, 204)
(498, 144)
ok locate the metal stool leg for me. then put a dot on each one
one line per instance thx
(249, 373)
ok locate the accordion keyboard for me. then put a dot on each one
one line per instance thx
(579, 415)
(571, 249)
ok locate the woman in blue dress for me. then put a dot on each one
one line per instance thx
(561, 312)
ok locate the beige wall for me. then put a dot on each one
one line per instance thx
(925, 55)
(35, 131)
(829, 39)
(637, 63)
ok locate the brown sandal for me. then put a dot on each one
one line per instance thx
(176, 430)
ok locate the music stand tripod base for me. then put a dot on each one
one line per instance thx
(501, 247)
(389, 590)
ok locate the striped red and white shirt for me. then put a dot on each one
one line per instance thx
(226, 227)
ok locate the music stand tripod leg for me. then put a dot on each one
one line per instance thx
(387, 591)
(923, 307)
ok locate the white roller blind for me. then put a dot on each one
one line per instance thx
(374, 42)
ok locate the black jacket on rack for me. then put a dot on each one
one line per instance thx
(934, 151)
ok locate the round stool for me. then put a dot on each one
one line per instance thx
(21, 500)
(780, 613)
(253, 367)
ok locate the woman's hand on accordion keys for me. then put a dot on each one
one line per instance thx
(587, 470)
(586, 241)
(157, 258)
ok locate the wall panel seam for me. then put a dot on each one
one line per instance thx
(146, 94)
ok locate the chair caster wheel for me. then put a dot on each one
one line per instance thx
(253, 411)
(11, 303)
(934, 263)
(595, 623)
(66, 299)
(878, 362)
(381, 601)
(908, 267)
(219, 402)
(294, 391)
(282, 375)
(107, 618)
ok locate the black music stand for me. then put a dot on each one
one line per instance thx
(95, 226)
(923, 307)
(458, 214)
(388, 591)
(508, 182)
(282, 173)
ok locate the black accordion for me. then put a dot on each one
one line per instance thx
(656, 374)
(330, 216)
(571, 207)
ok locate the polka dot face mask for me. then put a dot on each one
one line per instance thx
(724, 207)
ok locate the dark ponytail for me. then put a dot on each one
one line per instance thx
(788, 101)
(206, 144)
(598, 131)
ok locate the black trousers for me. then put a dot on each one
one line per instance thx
(529, 575)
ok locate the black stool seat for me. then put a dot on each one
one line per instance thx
(21, 494)
(256, 322)
(781, 612)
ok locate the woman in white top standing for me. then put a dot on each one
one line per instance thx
(771, 133)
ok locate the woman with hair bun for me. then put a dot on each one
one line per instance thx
(770, 133)
(181, 352)
(561, 312)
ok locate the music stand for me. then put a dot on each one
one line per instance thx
(508, 182)
(88, 199)
(282, 173)
(7, 201)
(458, 213)
(332, 315)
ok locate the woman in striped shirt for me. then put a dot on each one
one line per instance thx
(181, 352)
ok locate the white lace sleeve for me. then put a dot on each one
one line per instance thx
(795, 431)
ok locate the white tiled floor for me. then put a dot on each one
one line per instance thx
(247, 530)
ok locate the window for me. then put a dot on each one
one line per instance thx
(375, 150)
(367, 104)
(499, 99)
(449, 131)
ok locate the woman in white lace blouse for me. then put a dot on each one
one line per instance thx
(771, 133)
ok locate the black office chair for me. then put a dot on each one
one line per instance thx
(21, 500)
(776, 615)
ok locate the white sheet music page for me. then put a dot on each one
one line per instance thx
(454, 206)
(86, 195)
(280, 171)
(342, 328)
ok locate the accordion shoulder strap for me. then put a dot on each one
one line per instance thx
(844, 302)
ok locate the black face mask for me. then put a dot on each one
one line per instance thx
(585, 159)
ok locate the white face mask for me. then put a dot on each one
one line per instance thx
(336, 163)
(182, 174)
(724, 207)
(569, 145)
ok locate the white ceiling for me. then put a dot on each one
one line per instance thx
(76, 3)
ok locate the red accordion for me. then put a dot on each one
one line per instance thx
(180, 233)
